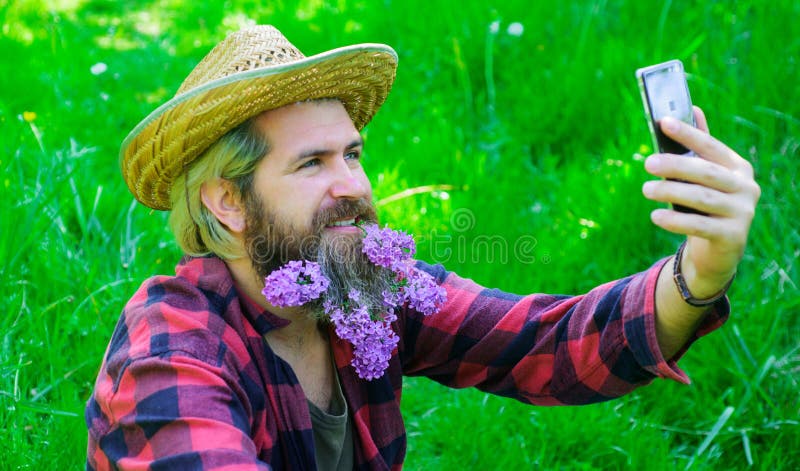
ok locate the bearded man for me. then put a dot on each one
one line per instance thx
(258, 159)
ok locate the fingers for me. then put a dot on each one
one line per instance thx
(695, 170)
(687, 223)
(725, 232)
(703, 198)
(719, 182)
(729, 207)
(704, 145)
(707, 187)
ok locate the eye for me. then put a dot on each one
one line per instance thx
(309, 163)
(352, 155)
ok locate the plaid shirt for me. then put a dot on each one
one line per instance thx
(188, 381)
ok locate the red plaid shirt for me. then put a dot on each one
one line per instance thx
(188, 381)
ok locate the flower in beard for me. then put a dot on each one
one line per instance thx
(393, 297)
(386, 247)
(372, 354)
(422, 292)
(365, 281)
(371, 334)
(372, 337)
(294, 284)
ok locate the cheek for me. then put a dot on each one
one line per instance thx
(300, 202)
(298, 206)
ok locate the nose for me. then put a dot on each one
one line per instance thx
(348, 182)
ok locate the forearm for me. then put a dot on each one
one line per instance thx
(547, 349)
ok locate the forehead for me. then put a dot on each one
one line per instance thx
(309, 123)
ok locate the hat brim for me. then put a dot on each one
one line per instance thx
(160, 147)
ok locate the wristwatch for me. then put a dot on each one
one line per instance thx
(680, 282)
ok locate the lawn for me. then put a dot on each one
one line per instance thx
(511, 146)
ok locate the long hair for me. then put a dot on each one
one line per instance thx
(233, 157)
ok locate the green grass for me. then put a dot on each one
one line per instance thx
(533, 139)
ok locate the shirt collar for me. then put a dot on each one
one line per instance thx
(211, 274)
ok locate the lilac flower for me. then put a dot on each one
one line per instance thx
(353, 325)
(386, 247)
(370, 332)
(395, 297)
(372, 354)
(422, 292)
(373, 340)
(294, 284)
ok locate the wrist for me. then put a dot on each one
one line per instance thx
(697, 290)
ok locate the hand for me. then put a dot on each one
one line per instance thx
(719, 183)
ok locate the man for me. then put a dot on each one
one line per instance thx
(257, 157)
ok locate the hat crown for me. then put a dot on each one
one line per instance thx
(247, 49)
(249, 72)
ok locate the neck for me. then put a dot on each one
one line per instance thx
(249, 282)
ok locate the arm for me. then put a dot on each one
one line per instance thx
(719, 183)
(172, 390)
(169, 412)
(540, 348)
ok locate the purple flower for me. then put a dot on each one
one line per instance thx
(294, 284)
(367, 328)
(393, 297)
(372, 354)
(352, 325)
(422, 292)
(386, 247)
(373, 340)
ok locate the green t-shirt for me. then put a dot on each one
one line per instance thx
(333, 433)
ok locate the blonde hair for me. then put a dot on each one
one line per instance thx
(233, 157)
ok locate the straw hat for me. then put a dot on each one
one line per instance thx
(251, 71)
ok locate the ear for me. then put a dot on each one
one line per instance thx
(220, 197)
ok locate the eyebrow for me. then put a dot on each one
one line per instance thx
(359, 142)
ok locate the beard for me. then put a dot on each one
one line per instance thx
(271, 242)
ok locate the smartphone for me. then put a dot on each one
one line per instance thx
(666, 93)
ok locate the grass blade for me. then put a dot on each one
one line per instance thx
(723, 418)
(746, 445)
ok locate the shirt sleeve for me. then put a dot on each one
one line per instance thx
(165, 398)
(544, 349)
(173, 412)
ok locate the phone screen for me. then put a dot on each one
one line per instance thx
(667, 95)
